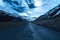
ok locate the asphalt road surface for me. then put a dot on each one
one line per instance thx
(29, 31)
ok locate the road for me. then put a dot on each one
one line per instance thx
(29, 31)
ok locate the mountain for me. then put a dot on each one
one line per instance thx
(6, 20)
(51, 19)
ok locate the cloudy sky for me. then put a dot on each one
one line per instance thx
(42, 7)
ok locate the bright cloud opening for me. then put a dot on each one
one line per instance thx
(38, 3)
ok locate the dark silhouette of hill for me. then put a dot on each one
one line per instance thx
(51, 19)
(9, 21)
(5, 17)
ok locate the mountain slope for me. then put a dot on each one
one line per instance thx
(6, 20)
(51, 19)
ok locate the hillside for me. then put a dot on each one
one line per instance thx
(50, 20)
(9, 21)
